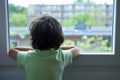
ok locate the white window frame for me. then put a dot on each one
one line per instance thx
(82, 60)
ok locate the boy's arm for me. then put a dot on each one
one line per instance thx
(23, 48)
(66, 47)
(73, 49)
(13, 52)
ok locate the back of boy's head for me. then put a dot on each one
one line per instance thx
(46, 33)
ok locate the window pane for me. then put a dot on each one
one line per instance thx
(87, 24)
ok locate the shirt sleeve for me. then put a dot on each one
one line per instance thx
(21, 58)
(67, 57)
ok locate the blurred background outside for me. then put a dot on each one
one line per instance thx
(86, 23)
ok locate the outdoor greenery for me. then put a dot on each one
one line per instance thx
(83, 2)
(92, 18)
(17, 15)
(90, 44)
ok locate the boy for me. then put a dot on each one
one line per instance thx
(46, 59)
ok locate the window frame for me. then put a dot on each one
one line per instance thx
(4, 34)
(82, 60)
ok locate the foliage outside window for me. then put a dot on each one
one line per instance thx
(18, 18)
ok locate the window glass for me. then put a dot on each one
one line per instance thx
(87, 24)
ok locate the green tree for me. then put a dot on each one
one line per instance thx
(98, 18)
(93, 19)
(75, 18)
(17, 15)
(17, 19)
(83, 2)
(79, 1)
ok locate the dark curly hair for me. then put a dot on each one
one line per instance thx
(46, 33)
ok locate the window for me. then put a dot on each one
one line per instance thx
(88, 25)
(83, 60)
